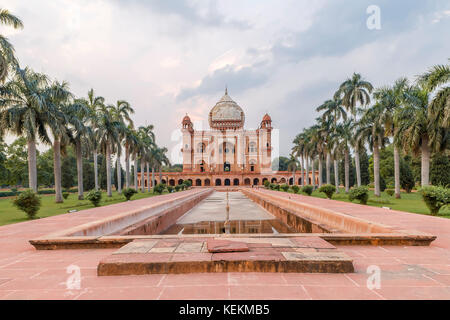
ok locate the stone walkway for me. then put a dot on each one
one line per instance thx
(406, 272)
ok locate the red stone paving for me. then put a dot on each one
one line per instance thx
(406, 272)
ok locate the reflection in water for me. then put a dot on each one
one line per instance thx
(234, 226)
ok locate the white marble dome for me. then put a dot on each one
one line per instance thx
(226, 114)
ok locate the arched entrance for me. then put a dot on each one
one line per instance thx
(236, 182)
(180, 181)
(198, 183)
(202, 166)
(247, 181)
(163, 181)
(227, 182)
(256, 181)
(283, 180)
(264, 180)
(291, 181)
(274, 180)
(207, 182)
(172, 182)
(218, 182)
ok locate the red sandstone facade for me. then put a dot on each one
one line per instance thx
(227, 154)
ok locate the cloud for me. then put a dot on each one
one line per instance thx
(341, 27)
(236, 78)
(204, 12)
(171, 57)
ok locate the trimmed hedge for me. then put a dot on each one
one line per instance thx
(159, 188)
(328, 189)
(95, 197)
(359, 193)
(4, 194)
(129, 193)
(435, 198)
(29, 202)
(308, 190)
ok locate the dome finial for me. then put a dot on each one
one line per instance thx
(226, 89)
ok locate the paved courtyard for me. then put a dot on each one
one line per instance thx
(406, 272)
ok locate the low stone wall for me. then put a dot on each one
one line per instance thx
(163, 220)
(119, 222)
(293, 212)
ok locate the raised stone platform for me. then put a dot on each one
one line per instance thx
(178, 255)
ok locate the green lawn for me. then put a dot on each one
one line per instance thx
(409, 202)
(10, 214)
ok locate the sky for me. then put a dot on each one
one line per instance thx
(283, 57)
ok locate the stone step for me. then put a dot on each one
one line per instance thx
(178, 255)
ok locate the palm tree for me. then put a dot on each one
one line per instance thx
(391, 100)
(435, 80)
(81, 134)
(320, 142)
(333, 112)
(161, 159)
(344, 131)
(24, 111)
(7, 57)
(353, 91)
(131, 141)
(148, 139)
(95, 104)
(418, 129)
(109, 133)
(334, 141)
(371, 129)
(122, 113)
(60, 97)
(299, 150)
(293, 166)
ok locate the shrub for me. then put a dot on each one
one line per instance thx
(267, 184)
(188, 184)
(359, 193)
(95, 197)
(274, 186)
(178, 188)
(435, 198)
(159, 188)
(65, 195)
(308, 190)
(128, 193)
(170, 189)
(390, 192)
(29, 202)
(14, 190)
(328, 189)
(296, 189)
(284, 187)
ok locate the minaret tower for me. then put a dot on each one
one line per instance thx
(188, 139)
(265, 134)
